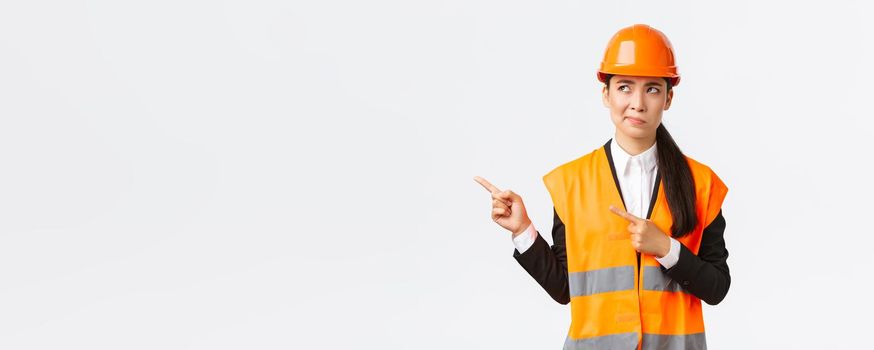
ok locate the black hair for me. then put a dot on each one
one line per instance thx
(677, 178)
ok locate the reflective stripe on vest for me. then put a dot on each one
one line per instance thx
(629, 341)
(674, 342)
(610, 279)
(626, 341)
(655, 279)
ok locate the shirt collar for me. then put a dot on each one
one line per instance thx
(622, 159)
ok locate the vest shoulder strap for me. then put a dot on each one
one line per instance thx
(566, 179)
(709, 188)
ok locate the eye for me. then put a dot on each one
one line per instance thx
(623, 88)
(653, 90)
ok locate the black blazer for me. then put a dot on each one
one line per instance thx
(704, 275)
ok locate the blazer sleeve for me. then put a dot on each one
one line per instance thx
(705, 275)
(548, 265)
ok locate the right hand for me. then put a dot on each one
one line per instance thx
(507, 208)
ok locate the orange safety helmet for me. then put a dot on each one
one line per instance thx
(639, 50)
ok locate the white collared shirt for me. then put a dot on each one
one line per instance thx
(636, 176)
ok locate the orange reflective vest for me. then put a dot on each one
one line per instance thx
(616, 302)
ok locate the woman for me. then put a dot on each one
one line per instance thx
(634, 277)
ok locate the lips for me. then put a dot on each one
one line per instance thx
(635, 121)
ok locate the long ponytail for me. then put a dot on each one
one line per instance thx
(677, 177)
(679, 185)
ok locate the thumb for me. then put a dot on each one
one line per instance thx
(515, 197)
(507, 194)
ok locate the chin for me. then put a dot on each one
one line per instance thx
(636, 133)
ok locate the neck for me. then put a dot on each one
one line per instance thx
(634, 146)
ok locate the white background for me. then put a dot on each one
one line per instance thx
(291, 175)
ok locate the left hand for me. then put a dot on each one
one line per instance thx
(646, 237)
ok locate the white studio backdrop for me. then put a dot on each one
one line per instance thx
(298, 175)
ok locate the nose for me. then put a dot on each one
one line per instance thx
(637, 102)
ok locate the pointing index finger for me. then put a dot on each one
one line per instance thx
(486, 184)
(625, 215)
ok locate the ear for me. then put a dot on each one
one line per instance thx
(605, 96)
(670, 98)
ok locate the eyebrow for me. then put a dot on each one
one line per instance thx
(626, 81)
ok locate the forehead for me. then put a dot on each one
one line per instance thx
(637, 80)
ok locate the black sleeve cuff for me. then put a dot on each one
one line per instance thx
(683, 271)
